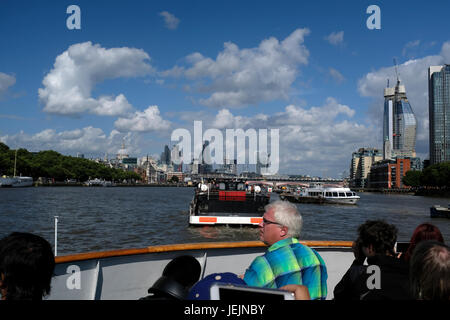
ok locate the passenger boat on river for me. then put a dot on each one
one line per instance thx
(318, 193)
(234, 202)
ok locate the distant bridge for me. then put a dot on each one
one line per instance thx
(269, 180)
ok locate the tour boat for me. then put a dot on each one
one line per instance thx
(232, 202)
(322, 194)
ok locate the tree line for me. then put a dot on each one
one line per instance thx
(51, 164)
(437, 176)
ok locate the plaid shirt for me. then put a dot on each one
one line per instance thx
(289, 262)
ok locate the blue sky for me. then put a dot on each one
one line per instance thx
(137, 70)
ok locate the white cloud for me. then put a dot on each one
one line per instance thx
(335, 38)
(410, 45)
(170, 20)
(88, 140)
(310, 138)
(239, 77)
(147, 120)
(67, 87)
(336, 75)
(6, 81)
(414, 75)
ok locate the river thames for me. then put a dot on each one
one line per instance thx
(99, 219)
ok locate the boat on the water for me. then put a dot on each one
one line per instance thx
(128, 274)
(15, 182)
(317, 193)
(438, 211)
(233, 202)
(98, 183)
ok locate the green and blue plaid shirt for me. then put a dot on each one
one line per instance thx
(289, 262)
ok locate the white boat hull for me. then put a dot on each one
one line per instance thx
(16, 182)
(127, 274)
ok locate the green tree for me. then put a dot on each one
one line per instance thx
(51, 164)
(412, 178)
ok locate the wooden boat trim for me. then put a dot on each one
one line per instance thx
(188, 246)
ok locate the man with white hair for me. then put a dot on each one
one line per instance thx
(286, 261)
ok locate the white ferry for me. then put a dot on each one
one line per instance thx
(228, 202)
(322, 194)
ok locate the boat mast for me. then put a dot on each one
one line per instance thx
(15, 163)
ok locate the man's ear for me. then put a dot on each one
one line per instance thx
(283, 231)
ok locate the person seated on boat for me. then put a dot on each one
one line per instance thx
(26, 267)
(286, 261)
(300, 292)
(179, 275)
(423, 232)
(388, 276)
(430, 271)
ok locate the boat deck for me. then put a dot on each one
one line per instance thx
(127, 274)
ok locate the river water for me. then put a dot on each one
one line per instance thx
(98, 219)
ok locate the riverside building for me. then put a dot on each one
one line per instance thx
(362, 161)
(439, 113)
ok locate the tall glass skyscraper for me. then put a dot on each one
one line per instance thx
(399, 124)
(439, 113)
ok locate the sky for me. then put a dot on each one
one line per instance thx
(135, 71)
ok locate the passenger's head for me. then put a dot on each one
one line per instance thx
(423, 232)
(430, 271)
(377, 237)
(184, 269)
(179, 275)
(281, 220)
(26, 267)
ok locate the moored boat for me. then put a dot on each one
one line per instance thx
(15, 182)
(438, 211)
(98, 183)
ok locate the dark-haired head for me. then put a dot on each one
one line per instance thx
(184, 269)
(26, 266)
(423, 232)
(378, 235)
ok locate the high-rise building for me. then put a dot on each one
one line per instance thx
(439, 113)
(399, 124)
(362, 161)
(165, 156)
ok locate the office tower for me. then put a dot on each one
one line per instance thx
(399, 124)
(362, 161)
(165, 156)
(439, 113)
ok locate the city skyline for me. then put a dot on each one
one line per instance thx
(135, 72)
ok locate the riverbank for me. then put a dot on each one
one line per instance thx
(425, 192)
(441, 193)
(63, 184)
(385, 190)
